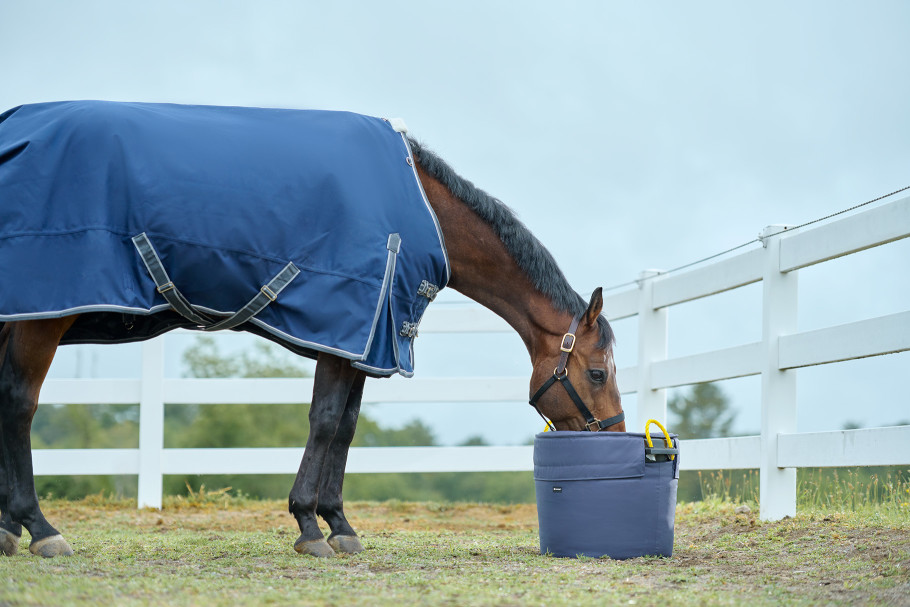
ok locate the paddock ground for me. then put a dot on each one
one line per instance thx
(215, 550)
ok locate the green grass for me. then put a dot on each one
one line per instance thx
(856, 489)
(869, 490)
(214, 549)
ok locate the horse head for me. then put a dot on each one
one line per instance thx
(581, 361)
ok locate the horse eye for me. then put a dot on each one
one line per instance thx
(598, 376)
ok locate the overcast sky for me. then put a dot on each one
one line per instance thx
(653, 133)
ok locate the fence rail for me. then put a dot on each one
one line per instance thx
(777, 452)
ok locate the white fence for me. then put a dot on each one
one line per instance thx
(777, 452)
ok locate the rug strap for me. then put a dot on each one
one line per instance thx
(266, 295)
(163, 282)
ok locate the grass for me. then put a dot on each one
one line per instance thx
(857, 489)
(210, 548)
(862, 490)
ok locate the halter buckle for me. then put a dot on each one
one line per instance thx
(595, 423)
(568, 343)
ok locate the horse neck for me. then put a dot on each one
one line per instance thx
(483, 270)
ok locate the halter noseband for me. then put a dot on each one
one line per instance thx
(562, 376)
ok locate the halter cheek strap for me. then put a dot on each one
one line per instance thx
(561, 375)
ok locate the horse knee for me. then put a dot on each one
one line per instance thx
(301, 505)
(16, 414)
(16, 404)
(345, 433)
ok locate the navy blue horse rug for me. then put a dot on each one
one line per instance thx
(309, 228)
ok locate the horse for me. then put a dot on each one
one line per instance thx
(494, 260)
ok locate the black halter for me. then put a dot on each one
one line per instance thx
(562, 376)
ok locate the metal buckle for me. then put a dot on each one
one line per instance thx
(166, 287)
(408, 329)
(428, 290)
(269, 293)
(567, 348)
(595, 423)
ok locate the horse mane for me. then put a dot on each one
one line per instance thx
(530, 255)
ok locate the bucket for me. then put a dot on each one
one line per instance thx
(606, 493)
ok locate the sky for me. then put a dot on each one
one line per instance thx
(652, 134)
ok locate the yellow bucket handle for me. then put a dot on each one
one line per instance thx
(667, 438)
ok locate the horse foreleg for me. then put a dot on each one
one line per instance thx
(331, 504)
(28, 348)
(10, 530)
(334, 379)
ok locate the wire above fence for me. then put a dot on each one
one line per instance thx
(759, 239)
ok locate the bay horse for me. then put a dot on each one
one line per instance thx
(494, 260)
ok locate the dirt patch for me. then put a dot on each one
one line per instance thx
(722, 554)
(273, 516)
(448, 517)
(827, 557)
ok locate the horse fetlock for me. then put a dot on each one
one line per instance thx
(50, 547)
(318, 547)
(9, 542)
(335, 518)
(339, 525)
(346, 544)
(9, 525)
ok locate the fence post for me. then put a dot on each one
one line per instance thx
(151, 423)
(652, 346)
(777, 486)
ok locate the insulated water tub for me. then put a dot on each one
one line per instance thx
(605, 493)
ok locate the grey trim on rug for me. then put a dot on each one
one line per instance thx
(394, 246)
(426, 202)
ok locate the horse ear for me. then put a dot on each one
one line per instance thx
(594, 307)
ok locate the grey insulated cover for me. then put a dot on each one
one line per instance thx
(598, 495)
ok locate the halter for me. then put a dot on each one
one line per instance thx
(562, 376)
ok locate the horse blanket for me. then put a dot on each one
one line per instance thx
(309, 228)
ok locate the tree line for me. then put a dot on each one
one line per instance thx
(239, 425)
(704, 411)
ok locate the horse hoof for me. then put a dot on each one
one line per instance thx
(50, 547)
(318, 548)
(348, 544)
(9, 543)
